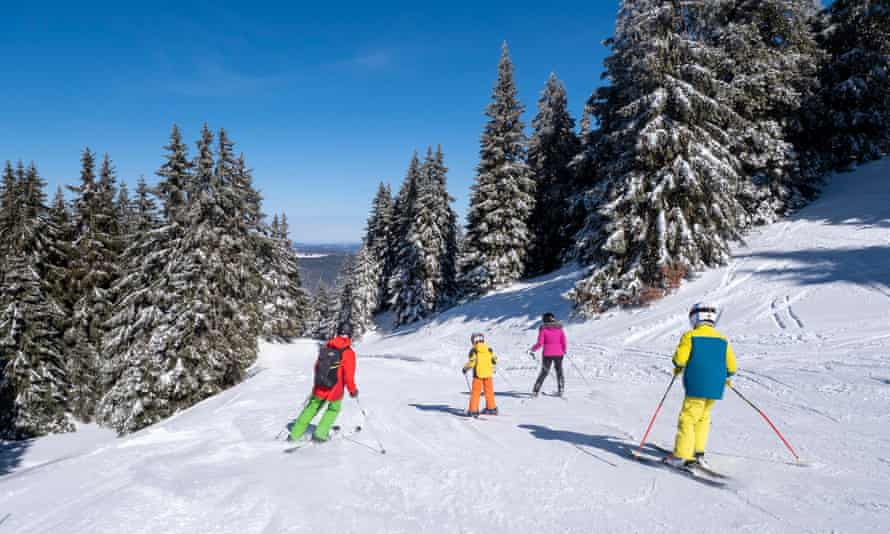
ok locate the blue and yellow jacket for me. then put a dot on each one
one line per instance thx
(707, 359)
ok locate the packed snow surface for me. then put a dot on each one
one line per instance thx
(806, 304)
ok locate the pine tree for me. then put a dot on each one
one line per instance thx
(252, 231)
(551, 150)
(771, 62)
(33, 380)
(856, 81)
(666, 202)
(379, 240)
(92, 271)
(124, 209)
(428, 277)
(359, 298)
(217, 343)
(324, 313)
(143, 338)
(213, 336)
(502, 200)
(403, 214)
(448, 221)
(9, 208)
(286, 303)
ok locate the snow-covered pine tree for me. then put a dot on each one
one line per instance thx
(358, 300)
(498, 238)
(9, 206)
(312, 320)
(285, 301)
(142, 342)
(324, 313)
(428, 276)
(449, 289)
(410, 301)
(856, 81)
(92, 271)
(551, 149)
(59, 256)
(125, 211)
(667, 202)
(33, 380)
(403, 215)
(771, 63)
(138, 312)
(217, 341)
(379, 240)
(250, 229)
(109, 213)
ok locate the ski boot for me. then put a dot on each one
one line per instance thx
(676, 461)
(472, 414)
(491, 411)
(700, 461)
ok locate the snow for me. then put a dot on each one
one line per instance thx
(806, 304)
(311, 255)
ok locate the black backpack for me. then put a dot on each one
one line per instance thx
(328, 366)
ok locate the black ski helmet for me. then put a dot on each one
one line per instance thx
(345, 330)
(549, 318)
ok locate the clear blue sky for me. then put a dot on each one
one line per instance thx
(325, 100)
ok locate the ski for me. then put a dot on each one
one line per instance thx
(336, 433)
(685, 471)
(697, 467)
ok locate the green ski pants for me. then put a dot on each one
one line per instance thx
(309, 412)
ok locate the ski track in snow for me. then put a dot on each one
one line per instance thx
(807, 316)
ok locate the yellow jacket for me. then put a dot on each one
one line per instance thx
(707, 359)
(482, 361)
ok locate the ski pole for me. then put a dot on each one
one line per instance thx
(765, 418)
(365, 418)
(652, 421)
(467, 380)
(579, 371)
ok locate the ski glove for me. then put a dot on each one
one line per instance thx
(353, 394)
(677, 370)
(729, 383)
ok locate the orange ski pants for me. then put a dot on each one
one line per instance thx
(478, 385)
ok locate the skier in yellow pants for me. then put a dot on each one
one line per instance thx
(707, 362)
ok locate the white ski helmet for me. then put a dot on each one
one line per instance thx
(703, 313)
(477, 338)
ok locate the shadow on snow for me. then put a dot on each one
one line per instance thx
(865, 266)
(442, 408)
(11, 453)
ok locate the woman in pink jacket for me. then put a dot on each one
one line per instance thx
(553, 340)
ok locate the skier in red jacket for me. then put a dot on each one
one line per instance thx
(334, 372)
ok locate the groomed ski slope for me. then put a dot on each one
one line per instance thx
(807, 307)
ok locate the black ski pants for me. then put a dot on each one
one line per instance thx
(545, 370)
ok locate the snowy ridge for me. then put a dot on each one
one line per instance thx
(806, 304)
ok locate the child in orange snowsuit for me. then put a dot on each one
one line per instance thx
(482, 361)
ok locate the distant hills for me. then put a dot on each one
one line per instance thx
(321, 262)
